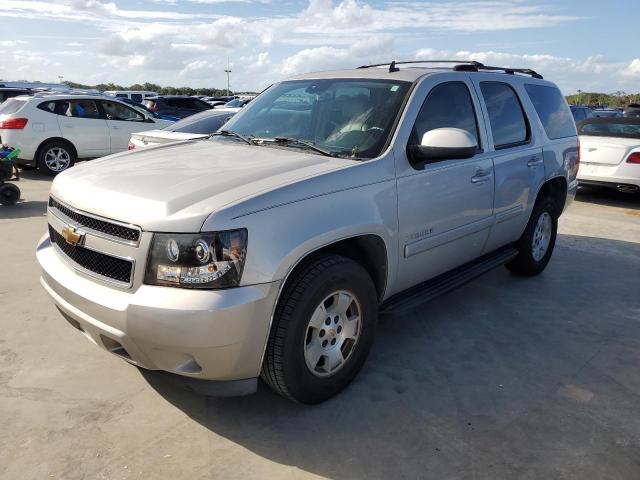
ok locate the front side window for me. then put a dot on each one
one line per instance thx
(552, 110)
(118, 111)
(346, 117)
(136, 97)
(506, 117)
(448, 105)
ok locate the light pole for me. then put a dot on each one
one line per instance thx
(228, 72)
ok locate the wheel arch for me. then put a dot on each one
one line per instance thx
(55, 139)
(556, 188)
(368, 250)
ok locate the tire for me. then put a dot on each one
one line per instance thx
(55, 157)
(299, 321)
(542, 229)
(9, 194)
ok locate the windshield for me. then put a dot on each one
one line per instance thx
(610, 127)
(201, 123)
(345, 117)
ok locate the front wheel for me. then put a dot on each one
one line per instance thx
(536, 245)
(323, 328)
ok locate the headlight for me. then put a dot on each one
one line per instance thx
(198, 260)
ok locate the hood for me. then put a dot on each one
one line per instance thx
(175, 187)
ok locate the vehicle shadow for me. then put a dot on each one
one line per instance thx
(35, 175)
(479, 383)
(608, 197)
(24, 209)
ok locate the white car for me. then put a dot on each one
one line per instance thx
(233, 106)
(52, 131)
(610, 153)
(200, 125)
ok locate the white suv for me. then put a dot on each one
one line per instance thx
(53, 130)
(268, 249)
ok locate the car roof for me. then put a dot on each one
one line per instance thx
(44, 96)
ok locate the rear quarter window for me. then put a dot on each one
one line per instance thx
(11, 105)
(553, 111)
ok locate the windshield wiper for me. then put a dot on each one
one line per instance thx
(295, 142)
(229, 133)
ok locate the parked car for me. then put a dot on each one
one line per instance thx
(269, 249)
(580, 113)
(200, 125)
(135, 95)
(52, 131)
(234, 105)
(606, 113)
(632, 110)
(176, 106)
(10, 92)
(610, 153)
(140, 106)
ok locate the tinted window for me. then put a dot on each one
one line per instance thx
(136, 97)
(448, 105)
(121, 95)
(507, 120)
(11, 106)
(200, 123)
(551, 107)
(119, 111)
(611, 127)
(78, 109)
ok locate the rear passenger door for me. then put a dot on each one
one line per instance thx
(517, 156)
(444, 207)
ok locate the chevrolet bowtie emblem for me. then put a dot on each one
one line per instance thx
(72, 236)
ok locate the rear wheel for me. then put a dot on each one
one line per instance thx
(9, 194)
(536, 245)
(323, 328)
(55, 157)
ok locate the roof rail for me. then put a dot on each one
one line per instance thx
(460, 66)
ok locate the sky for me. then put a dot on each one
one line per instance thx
(587, 45)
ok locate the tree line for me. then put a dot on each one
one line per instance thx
(616, 99)
(152, 87)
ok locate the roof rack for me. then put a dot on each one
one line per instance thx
(460, 66)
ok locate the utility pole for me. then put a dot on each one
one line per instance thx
(228, 71)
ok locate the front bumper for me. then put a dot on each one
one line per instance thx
(206, 334)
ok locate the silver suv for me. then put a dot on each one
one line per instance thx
(268, 249)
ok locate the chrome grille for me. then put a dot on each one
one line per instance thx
(101, 264)
(109, 228)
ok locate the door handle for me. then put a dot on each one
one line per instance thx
(534, 161)
(481, 176)
(115, 127)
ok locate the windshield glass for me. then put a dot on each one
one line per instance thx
(610, 127)
(346, 117)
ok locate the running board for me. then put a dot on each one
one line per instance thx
(427, 291)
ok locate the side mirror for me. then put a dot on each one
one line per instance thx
(442, 144)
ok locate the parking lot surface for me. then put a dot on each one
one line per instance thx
(504, 378)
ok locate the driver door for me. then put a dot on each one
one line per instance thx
(445, 208)
(122, 121)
